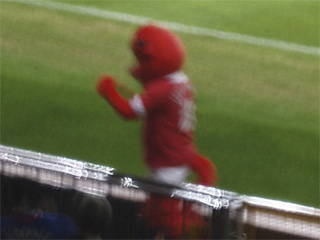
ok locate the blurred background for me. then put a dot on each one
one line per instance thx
(257, 105)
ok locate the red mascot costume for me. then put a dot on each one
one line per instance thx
(168, 111)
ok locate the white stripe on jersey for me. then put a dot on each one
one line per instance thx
(136, 102)
(178, 77)
(137, 105)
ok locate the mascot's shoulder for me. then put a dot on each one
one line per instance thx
(159, 83)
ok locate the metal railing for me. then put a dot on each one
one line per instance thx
(228, 214)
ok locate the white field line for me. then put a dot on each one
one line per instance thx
(133, 19)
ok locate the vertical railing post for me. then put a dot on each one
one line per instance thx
(220, 223)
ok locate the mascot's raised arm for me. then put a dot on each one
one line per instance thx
(167, 108)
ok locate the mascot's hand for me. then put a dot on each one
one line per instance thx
(105, 85)
(107, 88)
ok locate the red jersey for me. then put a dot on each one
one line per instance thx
(169, 111)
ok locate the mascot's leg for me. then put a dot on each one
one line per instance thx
(163, 213)
(174, 217)
(206, 172)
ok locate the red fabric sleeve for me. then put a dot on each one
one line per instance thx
(106, 88)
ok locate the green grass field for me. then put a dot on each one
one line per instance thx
(257, 107)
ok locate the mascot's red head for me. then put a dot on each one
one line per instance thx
(158, 51)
